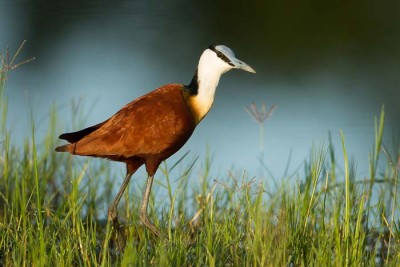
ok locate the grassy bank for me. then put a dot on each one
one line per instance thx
(326, 215)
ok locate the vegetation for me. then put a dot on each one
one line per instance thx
(52, 210)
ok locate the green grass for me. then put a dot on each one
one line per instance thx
(52, 210)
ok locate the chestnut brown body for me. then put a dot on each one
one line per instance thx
(153, 127)
(146, 131)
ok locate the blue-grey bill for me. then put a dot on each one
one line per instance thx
(242, 66)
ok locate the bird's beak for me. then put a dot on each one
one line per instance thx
(238, 64)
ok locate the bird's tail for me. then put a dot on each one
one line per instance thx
(62, 148)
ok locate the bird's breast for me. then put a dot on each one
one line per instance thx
(172, 122)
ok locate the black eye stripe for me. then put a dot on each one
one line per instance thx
(221, 55)
(224, 58)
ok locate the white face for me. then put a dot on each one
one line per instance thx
(223, 58)
(214, 61)
(210, 61)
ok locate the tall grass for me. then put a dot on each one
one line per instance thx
(52, 210)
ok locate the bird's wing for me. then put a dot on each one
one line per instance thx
(151, 124)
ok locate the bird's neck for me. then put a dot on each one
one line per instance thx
(201, 92)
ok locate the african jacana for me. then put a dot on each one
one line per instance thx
(153, 127)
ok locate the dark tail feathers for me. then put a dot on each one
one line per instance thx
(76, 136)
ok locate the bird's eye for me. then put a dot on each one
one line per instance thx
(220, 55)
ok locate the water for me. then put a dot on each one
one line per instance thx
(327, 68)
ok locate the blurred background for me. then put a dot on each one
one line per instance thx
(327, 65)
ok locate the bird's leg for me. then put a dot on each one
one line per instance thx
(113, 213)
(143, 208)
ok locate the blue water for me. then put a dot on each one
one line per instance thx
(321, 77)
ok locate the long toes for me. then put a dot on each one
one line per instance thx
(120, 241)
(152, 227)
(118, 234)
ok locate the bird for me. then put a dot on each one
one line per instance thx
(155, 126)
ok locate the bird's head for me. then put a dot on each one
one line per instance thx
(215, 61)
(220, 59)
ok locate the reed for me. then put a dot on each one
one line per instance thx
(53, 210)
